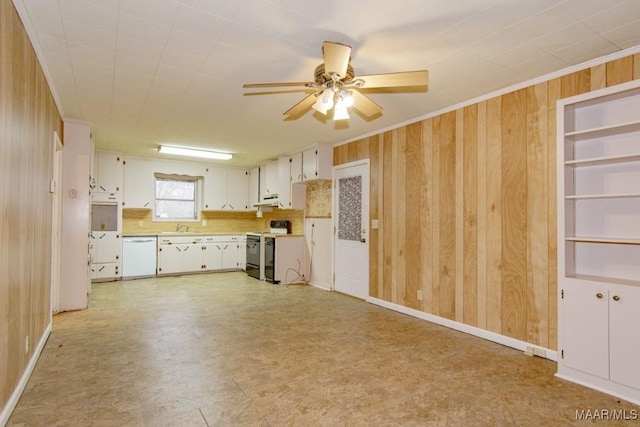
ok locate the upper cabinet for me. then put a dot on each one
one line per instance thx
(317, 163)
(269, 180)
(138, 184)
(107, 177)
(254, 187)
(226, 189)
(290, 195)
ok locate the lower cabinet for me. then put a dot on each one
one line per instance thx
(220, 253)
(599, 342)
(105, 248)
(242, 252)
(180, 254)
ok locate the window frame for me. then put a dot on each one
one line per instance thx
(197, 185)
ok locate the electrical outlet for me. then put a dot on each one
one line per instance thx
(26, 344)
(529, 351)
(141, 223)
(204, 222)
(419, 294)
(539, 352)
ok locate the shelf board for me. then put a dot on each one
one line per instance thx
(604, 130)
(596, 161)
(608, 240)
(602, 196)
(605, 279)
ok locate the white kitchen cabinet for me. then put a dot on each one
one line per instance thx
(254, 188)
(290, 195)
(242, 252)
(108, 176)
(220, 253)
(238, 189)
(139, 184)
(318, 236)
(296, 167)
(103, 272)
(225, 189)
(599, 239)
(179, 255)
(269, 180)
(107, 246)
(317, 163)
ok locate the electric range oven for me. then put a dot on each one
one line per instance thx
(255, 255)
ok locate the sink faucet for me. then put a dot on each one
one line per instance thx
(179, 226)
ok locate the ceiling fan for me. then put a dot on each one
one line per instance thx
(336, 86)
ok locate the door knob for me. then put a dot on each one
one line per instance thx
(363, 240)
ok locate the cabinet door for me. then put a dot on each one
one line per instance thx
(309, 165)
(242, 252)
(229, 255)
(585, 316)
(104, 271)
(271, 177)
(254, 187)
(284, 183)
(624, 338)
(237, 189)
(109, 172)
(215, 188)
(107, 246)
(296, 167)
(211, 256)
(139, 184)
(181, 258)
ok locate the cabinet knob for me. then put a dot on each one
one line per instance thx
(616, 298)
(599, 295)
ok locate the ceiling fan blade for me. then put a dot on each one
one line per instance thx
(364, 104)
(301, 106)
(258, 85)
(336, 58)
(406, 78)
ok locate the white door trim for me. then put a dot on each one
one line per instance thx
(56, 224)
(363, 162)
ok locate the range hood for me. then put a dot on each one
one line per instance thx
(270, 200)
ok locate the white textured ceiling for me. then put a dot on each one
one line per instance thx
(147, 72)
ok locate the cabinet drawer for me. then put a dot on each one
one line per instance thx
(220, 239)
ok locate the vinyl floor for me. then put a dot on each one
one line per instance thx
(224, 349)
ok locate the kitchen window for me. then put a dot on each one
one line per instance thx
(176, 197)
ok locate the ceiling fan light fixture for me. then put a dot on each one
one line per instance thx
(192, 152)
(326, 98)
(346, 97)
(340, 111)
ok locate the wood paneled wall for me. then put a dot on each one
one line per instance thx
(28, 118)
(466, 203)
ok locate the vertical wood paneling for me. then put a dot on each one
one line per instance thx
(620, 71)
(514, 214)
(494, 215)
(537, 216)
(400, 248)
(374, 182)
(446, 132)
(426, 219)
(28, 118)
(388, 226)
(470, 230)
(459, 218)
(554, 91)
(598, 76)
(467, 208)
(481, 274)
(413, 231)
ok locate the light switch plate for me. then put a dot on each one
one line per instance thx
(374, 224)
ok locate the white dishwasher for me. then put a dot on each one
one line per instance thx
(139, 256)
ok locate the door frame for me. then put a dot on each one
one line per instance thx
(56, 224)
(362, 162)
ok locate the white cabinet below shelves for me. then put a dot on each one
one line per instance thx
(600, 339)
(179, 258)
(177, 255)
(220, 253)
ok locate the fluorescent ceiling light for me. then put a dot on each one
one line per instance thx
(206, 154)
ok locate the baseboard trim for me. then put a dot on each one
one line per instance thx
(471, 330)
(324, 288)
(15, 396)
